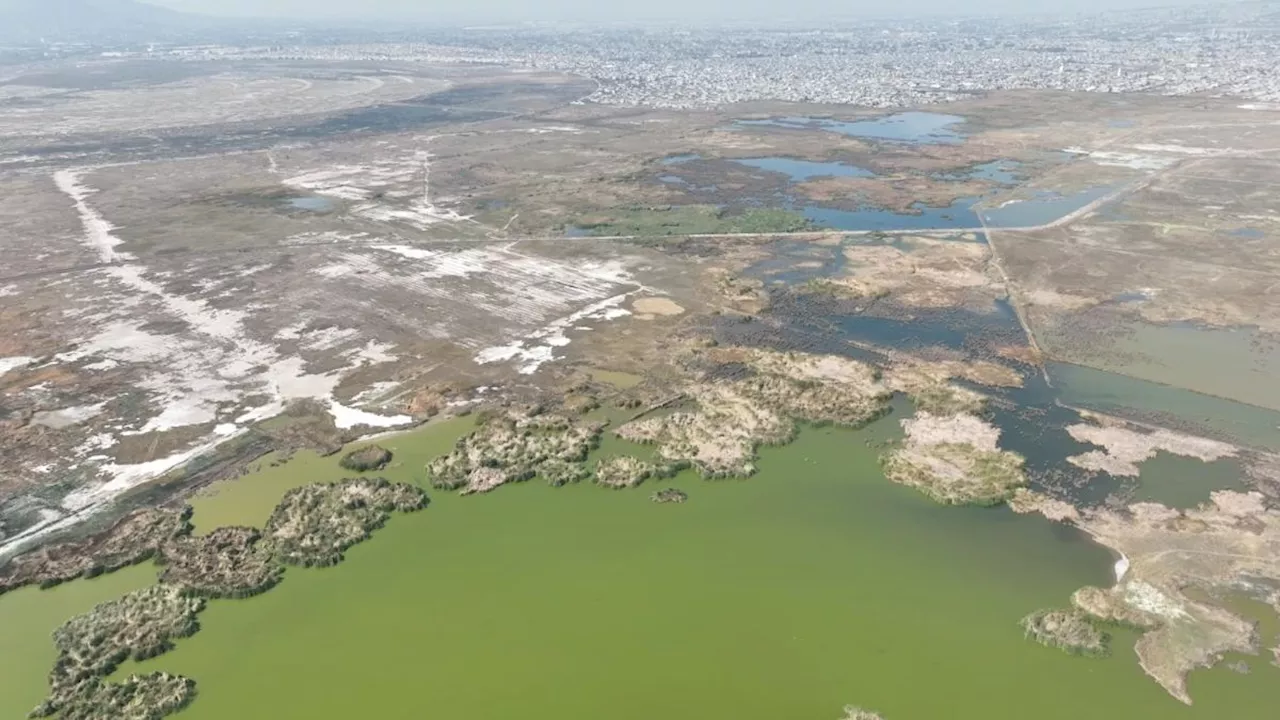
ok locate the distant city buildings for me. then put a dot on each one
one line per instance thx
(1218, 50)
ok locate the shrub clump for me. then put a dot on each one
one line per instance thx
(314, 524)
(853, 712)
(138, 697)
(669, 495)
(140, 625)
(1069, 630)
(624, 471)
(230, 562)
(957, 473)
(514, 446)
(370, 457)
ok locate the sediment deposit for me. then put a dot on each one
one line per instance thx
(1026, 501)
(1125, 448)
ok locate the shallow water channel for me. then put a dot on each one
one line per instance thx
(814, 584)
(905, 127)
(312, 203)
(1198, 413)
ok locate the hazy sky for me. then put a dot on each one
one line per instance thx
(516, 10)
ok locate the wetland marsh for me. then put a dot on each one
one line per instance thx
(837, 192)
(361, 293)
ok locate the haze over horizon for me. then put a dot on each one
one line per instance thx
(493, 11)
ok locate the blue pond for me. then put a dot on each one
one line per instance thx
(311, 203)
(1004, 172)
(957, 216)
(1044, 208)
(1247, 232)
(801, 170)
(908, 127)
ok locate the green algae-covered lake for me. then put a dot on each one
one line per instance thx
(814, 584)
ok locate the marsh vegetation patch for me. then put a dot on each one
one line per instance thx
(140, 625)
(516, 445)
(1069, 630)
(369, 457)
(314, 524)
(955, 460)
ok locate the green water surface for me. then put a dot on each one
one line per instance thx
(1181, 482)
(814, 584)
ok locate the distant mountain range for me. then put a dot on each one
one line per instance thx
(33, 20)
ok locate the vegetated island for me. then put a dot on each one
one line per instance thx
(625, 471)
(1069, 630)
(722, 419)
(311, 526)
(369, 457)
(228, 562)
(734, 417)
(514, 445)
(955, 460)
(718, 437)
(853, 712)
(314, 524)
(141, 625)
(669, 495)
